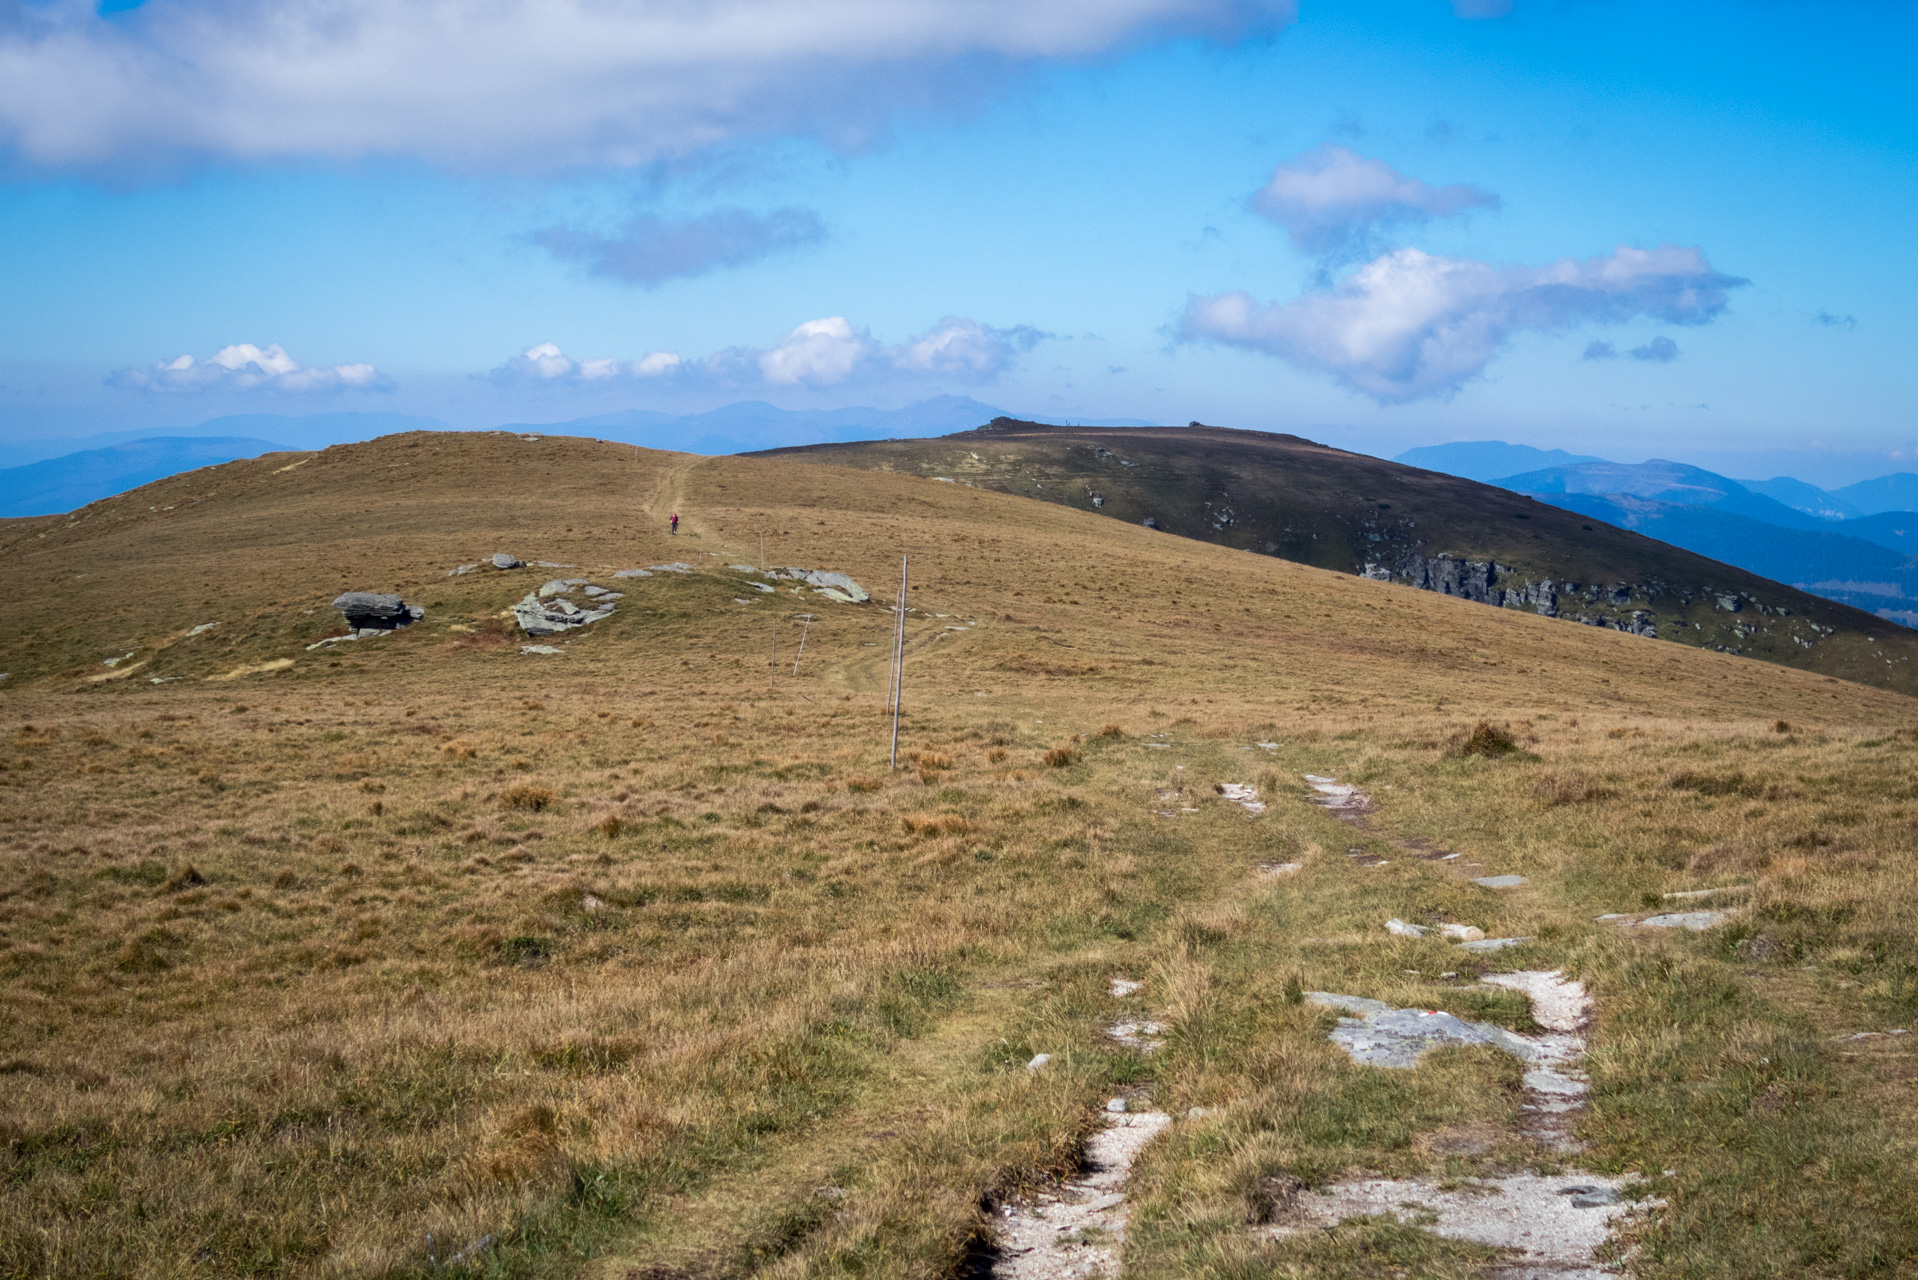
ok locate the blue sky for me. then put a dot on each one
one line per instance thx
(1622, 228)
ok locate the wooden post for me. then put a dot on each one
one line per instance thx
(804, 628)
(772, 664)
(899, 662)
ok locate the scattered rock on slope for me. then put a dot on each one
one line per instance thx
(374, 611)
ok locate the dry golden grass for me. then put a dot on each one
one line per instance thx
(619, 956)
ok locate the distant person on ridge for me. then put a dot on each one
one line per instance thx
(675, 522)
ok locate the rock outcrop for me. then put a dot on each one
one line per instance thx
(835, 586)
(1488, 582)
(537, 617)
(374, 611)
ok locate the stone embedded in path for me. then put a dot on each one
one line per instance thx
(1500, 882)
(1707, 893)
(1697, 921)
(1122, 987)
(634, 573)
(1143, 1036)
(1553, 1225)
(1456, 932)
(1280, 868)
(1382, 1036)
(458, 570)
(1480, 946)
(1242, 794)
(539, 648)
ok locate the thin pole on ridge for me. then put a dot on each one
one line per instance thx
(898, 661)
(804, 628)
(772, 663)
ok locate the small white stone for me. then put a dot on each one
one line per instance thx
(1038, 1060)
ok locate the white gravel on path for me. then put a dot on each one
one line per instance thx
(1078, 1231)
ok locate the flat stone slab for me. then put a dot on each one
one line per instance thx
(1382, 1036)
(1501, 882)
(1483, 945)
(1554, 1225)
(1697, 921)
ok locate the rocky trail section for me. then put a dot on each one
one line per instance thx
(1075, 1229)
(1550, 1226)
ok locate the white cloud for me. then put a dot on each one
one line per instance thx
(546, 363)
(1331, 199)
(245, 367)
(525, 83)
(817, 353)
(827, 352)
(1660, 350)
(1409, 325)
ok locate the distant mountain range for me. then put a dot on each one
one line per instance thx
(64, 484)
(1847, 545)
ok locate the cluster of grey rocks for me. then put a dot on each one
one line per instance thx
(838, 587)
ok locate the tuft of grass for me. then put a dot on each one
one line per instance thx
(1060, 757)
(527, 796)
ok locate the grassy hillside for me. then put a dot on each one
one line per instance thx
(1287, 497)
(422, 954)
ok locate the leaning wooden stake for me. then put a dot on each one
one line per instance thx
(898, 661)
(804, 628)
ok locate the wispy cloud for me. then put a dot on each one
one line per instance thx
(1830, 321)
(830, 351)
(649, 250)
(1332, 201)
(1409, 325)
(1599, 349)
(1660, 350)
(545, 84)
(245, 367)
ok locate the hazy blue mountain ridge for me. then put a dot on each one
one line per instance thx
(1661, 481)
(62, 484)
(1486, 460)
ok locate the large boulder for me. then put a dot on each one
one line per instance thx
(501, 560)
(375, 611)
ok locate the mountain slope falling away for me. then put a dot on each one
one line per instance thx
(1285, 496)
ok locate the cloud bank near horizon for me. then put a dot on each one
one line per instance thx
(246, 367)
(827, 352)
(542, 85)
(1409, 325)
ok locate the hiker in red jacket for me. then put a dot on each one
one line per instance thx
(675, 522)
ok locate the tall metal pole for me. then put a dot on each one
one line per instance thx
(899, 662)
